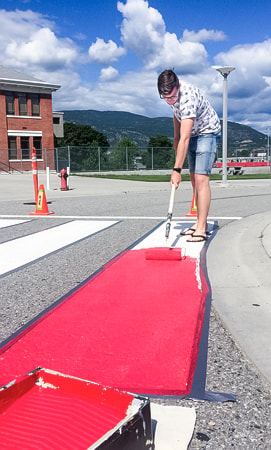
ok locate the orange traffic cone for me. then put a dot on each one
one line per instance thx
(41, 206)
(193, 210)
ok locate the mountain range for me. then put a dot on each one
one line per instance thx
(117, 124)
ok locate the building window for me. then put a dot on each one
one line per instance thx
(56, 120)
(35, 104)
(38, 147)
(25, 147)
(22, 104)
(10, 103)
(12, 147)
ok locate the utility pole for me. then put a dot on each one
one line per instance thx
(225, 71)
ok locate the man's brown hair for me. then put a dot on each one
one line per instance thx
(167, 81)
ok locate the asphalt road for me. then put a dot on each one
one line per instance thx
(137, 207)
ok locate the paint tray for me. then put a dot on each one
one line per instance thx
(46, 409)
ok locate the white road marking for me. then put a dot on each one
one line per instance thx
(9, 222)
(22, 251)
(157, 239)
(188, 219)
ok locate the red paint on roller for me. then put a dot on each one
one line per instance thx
(135, 326)
(167, 254)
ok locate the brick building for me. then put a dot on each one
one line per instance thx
(26, 121)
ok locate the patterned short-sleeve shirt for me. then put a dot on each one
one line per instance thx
(193, 104)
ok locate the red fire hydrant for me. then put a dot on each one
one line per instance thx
(64, 176)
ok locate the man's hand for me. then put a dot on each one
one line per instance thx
(176, 178)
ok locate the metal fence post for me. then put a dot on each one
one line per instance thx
(69, 156)
(56, 159)
(99, 159)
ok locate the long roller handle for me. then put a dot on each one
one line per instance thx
(171, 201)
(170, 210)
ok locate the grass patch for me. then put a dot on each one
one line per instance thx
(166, 178)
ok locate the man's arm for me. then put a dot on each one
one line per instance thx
(177, 133)
(182, 147)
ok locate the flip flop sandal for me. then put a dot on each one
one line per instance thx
(201, 238)
(186, 232)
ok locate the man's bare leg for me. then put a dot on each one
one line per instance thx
(202, 193)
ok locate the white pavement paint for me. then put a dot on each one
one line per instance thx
(115, 217)
(174, 428)
(8, 223)
(176, 240)
(22, 251)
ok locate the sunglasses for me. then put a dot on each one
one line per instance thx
(166, 97)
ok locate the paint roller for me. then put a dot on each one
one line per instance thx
(162, 253)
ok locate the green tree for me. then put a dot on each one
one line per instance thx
(88, 147)
(94, 157)
(160, 153)
(124, 152)
(77, 135)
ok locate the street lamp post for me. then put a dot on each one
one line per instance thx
(268, 147)
(225, 71)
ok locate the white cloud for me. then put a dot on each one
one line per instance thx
(30, 43)
(102, 52)
(185, 57)
(249, 86)
(42, 49)
(108, 73)
(134, 92)
(142, 29)
(144, 32)
(250, 58)
(19, 25)
(203, 35)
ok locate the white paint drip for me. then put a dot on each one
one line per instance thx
(197, 273)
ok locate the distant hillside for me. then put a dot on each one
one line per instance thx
(115, 124)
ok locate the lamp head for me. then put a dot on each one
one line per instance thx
(225, 71)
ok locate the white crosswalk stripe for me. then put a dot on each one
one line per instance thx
(24, 250)
(10, 222)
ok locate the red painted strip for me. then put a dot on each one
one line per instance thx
(135, 326)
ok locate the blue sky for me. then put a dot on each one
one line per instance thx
(107, 55)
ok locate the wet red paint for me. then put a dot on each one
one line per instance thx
(134, 326)
(61, 413)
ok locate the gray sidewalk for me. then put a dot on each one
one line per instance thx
(239, 266)
(21, 186)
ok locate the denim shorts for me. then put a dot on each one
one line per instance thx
(201, 153)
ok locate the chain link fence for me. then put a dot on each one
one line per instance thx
(90, 159)
(94, 159)
(104, 159)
